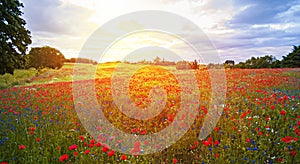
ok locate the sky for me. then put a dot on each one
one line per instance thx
(238, 29)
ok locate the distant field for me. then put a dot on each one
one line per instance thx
(260, 122)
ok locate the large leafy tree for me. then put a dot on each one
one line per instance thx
(14, 37)
(292, 60)
(42, 57)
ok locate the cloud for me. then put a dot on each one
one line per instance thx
(59, 24)
(238, 29)
(260, 28)
(259, 12)
(55, 16)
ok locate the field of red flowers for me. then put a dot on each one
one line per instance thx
(260, 122)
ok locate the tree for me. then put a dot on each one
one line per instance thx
(276, 64)
(45, 57)
(14, 37)
(292, 60)
(240, 65)
(267, 61)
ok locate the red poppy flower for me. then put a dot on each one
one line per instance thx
(31, 128)
(243, 115)
(170, 118)
(248, 140)
(82, 138)
(21, 147)
(105, 149)
(87, 151)
(91, 145)
(272, 107)
(111, 153)
(287, 139)
(92, 141)
(146, 142)
(279, 159)
(293, 153)
(206, 143)
(123, 157)
(31, 132)
(175, 160)
(75, 153)
(283, 112)
(217, 142)
(73, 147)
(98, 144)
(143, 131)
(63, 157)
(133, 130)
(137, 144)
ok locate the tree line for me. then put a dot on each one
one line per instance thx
(292, 60)
(81, 60)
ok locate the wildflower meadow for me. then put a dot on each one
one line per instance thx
(259, 123)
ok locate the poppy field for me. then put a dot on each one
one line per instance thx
(260, 122)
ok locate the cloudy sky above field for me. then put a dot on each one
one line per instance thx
(239, 29)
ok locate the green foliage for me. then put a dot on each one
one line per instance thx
(292, 60)
(45, 57)
(267, 61)
(20, 77)
(14, 37)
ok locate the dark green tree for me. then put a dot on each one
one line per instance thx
(292, 60)
(45, 57)
(14, 37)
(240, 65)
(267, 61)
(276, 64)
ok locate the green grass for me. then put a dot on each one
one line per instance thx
(20, 77)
